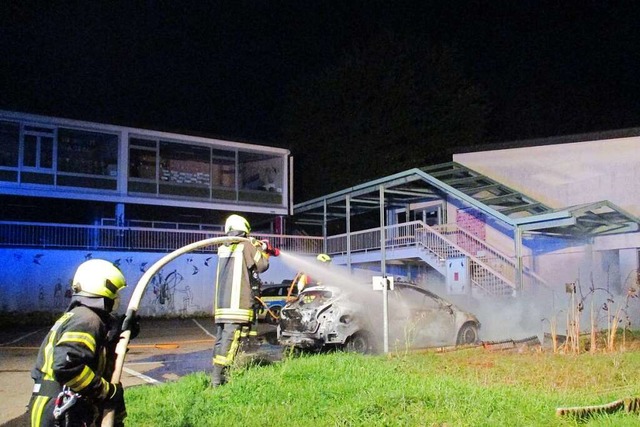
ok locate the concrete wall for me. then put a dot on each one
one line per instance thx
(39, 280)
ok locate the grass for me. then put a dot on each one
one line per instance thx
(471, 387)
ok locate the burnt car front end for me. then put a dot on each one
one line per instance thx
(320, 317)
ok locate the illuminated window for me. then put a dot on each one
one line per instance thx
(90, 155)
(260, 177)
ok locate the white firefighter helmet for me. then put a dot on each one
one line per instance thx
(237, 224)
(98, 278)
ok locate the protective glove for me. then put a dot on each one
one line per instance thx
(133, 325)
(269, 249)
(115, 397)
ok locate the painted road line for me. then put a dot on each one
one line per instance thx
(22, 337)
(203, 328)
(141, 376)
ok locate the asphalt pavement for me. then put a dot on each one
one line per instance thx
(165, 350)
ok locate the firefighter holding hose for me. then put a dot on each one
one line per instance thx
(76, 358)
(237, 286)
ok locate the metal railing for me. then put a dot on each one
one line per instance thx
(419, 234)
(498, 261)
(494, 274)
(362, 241)
(97, 237)
(482, 275)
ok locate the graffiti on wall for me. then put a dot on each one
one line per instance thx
(36, 280)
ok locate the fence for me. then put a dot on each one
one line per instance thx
(100, 237)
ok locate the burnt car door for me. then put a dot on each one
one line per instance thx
(426, 320)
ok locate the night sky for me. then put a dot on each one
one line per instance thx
(223, 68)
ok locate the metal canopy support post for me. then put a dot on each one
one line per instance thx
(517, 240)
(120, 215)
(324, 227)
(348, 211)
(383, 270)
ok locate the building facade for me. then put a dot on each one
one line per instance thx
(46, 158)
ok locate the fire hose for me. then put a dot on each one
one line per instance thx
(134, 304)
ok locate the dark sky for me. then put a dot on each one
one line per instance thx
(222, 67)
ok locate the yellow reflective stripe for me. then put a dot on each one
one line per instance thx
(236, 281)
(80, 381)
(37, 409)
(234, 315)
(220, 360)
(80, 337)
(233, 348)
(257, 256)
(47, 367)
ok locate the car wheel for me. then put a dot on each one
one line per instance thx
(360, 342)
(468, 334)
(273, 315)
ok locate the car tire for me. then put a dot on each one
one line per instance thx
(468, 334)
(360, 342)
(273, 315)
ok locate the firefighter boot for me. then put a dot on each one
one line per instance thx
(218, 376)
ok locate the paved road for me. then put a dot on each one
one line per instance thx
(164, 351)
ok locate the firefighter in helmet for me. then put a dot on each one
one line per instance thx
(76, 359)
(303, 279)
(237, 285)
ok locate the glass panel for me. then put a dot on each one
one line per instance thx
(185, 164)
(87, 152)
(223, 173)
(37, 178)
(261, 178)
(138, 142)
(30, 150)
(142, 187)
(46, 152)
(48, 131)
(142, 163)
(87, 182)
(6, 175)
(9, 143)
(260, 172)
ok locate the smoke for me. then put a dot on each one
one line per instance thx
(327, 273)
(531, 313)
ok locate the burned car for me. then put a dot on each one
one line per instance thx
(351, 319)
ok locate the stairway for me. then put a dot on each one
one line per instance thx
(485, 279)
(491, 272)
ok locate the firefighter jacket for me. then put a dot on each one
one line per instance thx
(233, 296)
(78, 352)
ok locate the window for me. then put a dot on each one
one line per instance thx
(87, 153)
(189, 170)
(9, 143)
(9, 147)
(261, 177)
(90, 155)
(184, 170)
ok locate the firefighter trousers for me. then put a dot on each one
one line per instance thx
(229, 338)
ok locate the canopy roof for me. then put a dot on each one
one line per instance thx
(481, 192)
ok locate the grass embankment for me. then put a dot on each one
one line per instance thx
(471, 387)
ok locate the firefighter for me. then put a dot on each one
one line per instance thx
(77, 357)
(304, 280)
(237, 285)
